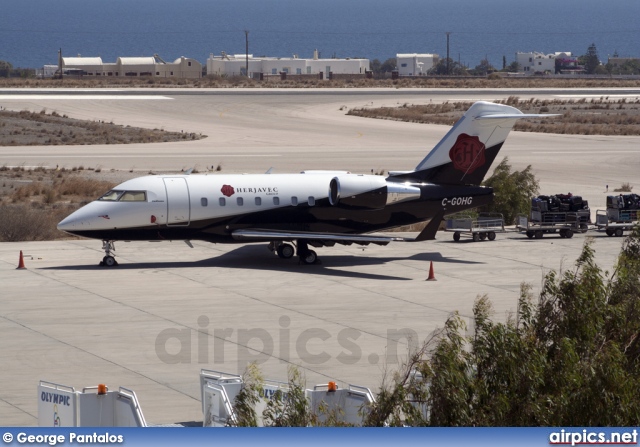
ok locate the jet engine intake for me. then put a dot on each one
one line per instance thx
(358, 191)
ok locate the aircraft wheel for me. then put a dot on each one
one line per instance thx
(539, 234)
(285, 251)
(491, 235)
(568, 234)
(310, 257)
(609, 232)
(109, 261)
(584, 228)
(456, 236)
(483, 236)
(619, 232)
(530, 234)
(476, 237)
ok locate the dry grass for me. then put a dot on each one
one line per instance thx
(601, 116)
(26, 128)
(32, 202)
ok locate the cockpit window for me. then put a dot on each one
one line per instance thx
(124, 196)
(111, 196)
(133, 196)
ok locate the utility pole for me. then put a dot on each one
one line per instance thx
(60, 62)
(246, 38)
(448, 72)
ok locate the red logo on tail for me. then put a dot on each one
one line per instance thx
(467, 154)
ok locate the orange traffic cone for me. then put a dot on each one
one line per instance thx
(431, 277)
(21, 262)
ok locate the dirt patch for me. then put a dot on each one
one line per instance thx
(598, 116)
(28, 129)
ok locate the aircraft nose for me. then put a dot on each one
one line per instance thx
(87, 218)
(75, 221)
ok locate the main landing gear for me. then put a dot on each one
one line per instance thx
(109, 259)
(285, 250)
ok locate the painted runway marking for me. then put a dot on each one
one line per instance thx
(15, 154)
(92, 97)
(600, 152)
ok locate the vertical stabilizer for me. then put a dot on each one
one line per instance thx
(467, 151)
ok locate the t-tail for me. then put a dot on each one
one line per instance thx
(465, 154)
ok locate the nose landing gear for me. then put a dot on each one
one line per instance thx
(109, 259)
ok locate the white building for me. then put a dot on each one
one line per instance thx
(534, 62)
(415, 64)
(154, 66)
(236, 65)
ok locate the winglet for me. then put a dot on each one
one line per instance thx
(429, 232)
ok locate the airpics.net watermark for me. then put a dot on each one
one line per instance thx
(312, 346)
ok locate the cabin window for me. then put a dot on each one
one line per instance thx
(111, 196)
(240, 201)
(276, 201)
(204, 201)
(258, 201)
(222, 201)
(133, 196)
(312, 201)
(124, 196)
(294, 201)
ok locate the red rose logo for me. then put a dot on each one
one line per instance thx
(227, 190)
(467, 154)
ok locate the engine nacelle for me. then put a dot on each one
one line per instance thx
(358, 191)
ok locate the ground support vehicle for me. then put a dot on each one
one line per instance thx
(485, 226)
(569, 225)
(560, 209)
(615, 222)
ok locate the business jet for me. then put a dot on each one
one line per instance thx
(291, 212)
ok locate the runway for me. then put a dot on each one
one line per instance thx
(168, 310)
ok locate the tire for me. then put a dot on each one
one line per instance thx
(492, 235)
(539, 234)
(610, 232)
(568, 234)
(311, 257)
(584, 228)
(285, 251)
(483, 236)
(476, 237)
(563, 233)
(530, 234)
(110, 261)
(456, 236)
(619, 232)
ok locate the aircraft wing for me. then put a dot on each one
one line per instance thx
(322, 238)
(427, 234)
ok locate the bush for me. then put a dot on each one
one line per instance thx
(24, 223)
(513, 191)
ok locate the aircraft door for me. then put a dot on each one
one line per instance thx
(178, 202)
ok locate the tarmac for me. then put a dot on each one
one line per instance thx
(167, 311)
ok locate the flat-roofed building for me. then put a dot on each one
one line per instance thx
(535, 62)
(236, 65)
(415, 64)
(152, 66)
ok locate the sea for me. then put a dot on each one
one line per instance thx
(33, 31)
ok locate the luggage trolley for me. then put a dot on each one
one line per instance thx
(622, 214)
(485, 226)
